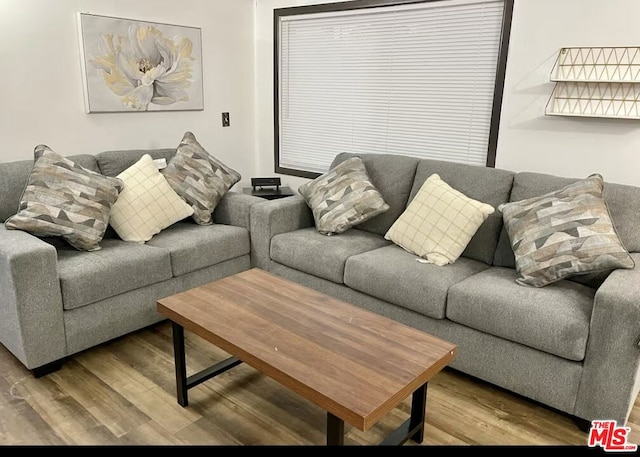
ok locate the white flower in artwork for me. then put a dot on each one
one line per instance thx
(145, 67)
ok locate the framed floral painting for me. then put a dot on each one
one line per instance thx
(131, 65)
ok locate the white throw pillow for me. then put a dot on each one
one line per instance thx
(439, 222)
(147, 203)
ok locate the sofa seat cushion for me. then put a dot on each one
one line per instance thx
(308, 251)
(554, 319)
(193, 246)
(393, 274)
(120, 266)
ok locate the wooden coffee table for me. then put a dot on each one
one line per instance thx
(352, 363)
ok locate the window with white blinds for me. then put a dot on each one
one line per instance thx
(416, 78)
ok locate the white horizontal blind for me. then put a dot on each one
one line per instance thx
(414, 79)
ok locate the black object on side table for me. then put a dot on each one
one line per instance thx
(268, 188)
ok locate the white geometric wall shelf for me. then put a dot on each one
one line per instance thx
(596, 82)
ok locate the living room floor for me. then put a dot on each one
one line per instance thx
(123, 393)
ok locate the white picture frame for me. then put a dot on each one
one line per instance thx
(138, 66)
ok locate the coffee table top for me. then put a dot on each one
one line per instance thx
(353, 363)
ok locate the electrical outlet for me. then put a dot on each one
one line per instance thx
(225, 120)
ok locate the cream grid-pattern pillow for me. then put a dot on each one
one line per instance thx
(147, 204)
(439, 222)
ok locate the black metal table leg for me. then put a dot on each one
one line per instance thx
(184, 383)
(180, 362)
(418, 413)
(413, 427)
(335, 430)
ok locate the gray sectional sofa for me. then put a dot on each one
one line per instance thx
(56, 301)
(572, 345)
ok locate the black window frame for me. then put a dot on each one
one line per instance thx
(365, 4)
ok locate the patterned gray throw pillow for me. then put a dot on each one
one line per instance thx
(564, 233)
(63, 199)
(199, 178)
(343, 197)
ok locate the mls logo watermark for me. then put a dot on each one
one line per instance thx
(610, 437)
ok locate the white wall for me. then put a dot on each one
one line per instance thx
(41, 88)
(528, 140)
(567, 146)
(41, 97)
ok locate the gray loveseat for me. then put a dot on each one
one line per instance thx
(56, 301)
(572, 345)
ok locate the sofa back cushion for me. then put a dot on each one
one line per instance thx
(622, 200)
(393, 176)
(13, 180)
(112, 163)
(485, 184)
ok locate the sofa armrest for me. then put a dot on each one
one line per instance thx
(273, 217)
(31, 322)
(233, 209)
(610, 379)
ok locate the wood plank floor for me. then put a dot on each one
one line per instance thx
(123, 393)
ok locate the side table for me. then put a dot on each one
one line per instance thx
(269, 193)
